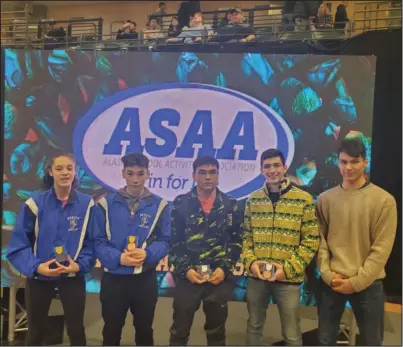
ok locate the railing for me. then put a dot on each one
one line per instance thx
(15, 27)
(267, 23)
(376, 15)
(213, 18)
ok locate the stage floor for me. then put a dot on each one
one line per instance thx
(236, 325)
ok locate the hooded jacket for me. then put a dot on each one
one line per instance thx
(149, 223)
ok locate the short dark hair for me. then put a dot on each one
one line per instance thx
(205, 160)
(235, 10)
(354, 147)
(48, 180)
(135, 159)
(152, 18)
(271, 153)
(161, 4)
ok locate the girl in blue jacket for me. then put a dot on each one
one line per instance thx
(51, 246)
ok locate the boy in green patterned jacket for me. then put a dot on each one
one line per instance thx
(206, 233)
(281, 232)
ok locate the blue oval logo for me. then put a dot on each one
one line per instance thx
(172, 124)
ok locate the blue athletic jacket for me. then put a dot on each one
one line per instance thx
(150, 224)
(43, 224)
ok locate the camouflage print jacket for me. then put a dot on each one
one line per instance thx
(199, 239)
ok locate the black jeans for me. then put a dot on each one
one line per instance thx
(121, 292)
(187, 299)
(368, 308)
(39, 294)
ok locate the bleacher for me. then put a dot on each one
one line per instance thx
(18, 31)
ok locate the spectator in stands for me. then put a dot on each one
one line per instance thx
(341, 20)
(324, 18)
(54, 35)
(287, 19)
(186, 10)
(159, 13)
(153, 31)
(196, 32)
(304, 14)
(236, 30)
(226, 20)
(53, 31)
(174, 29)
(127, 31)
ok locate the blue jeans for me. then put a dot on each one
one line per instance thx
(286, 296)
(368, 308)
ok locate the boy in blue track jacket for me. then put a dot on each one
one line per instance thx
(51, 245)
(133, 233)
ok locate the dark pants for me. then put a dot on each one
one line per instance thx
(187, 299)
(119, 293)
(368, 308)
(39, 294)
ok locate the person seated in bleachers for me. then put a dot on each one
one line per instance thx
(186, 10)
(174, 28)
(324, 18)
(226, 20)
(153, 31)
(127, 31)
(237, 30)
(54, 31)
(196, 32)
(287, 16)
(54, 36)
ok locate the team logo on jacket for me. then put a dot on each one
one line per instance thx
(172, 124)
(73, 220)
(144, 218)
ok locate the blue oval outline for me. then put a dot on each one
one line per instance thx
(89, 117)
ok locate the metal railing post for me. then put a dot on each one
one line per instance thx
(26, 26)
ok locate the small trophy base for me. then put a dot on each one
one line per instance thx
(60, 254)
(268, 271)
(61, 258)
(204, 272)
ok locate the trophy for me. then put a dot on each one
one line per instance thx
(204, 272)
(268, 271)
(131, 243)
(61, 255)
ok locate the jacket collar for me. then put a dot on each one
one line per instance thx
(219, 194)
(73, 196)
(146, 200)
(286, 185)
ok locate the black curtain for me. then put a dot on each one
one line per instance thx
(386, 167)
